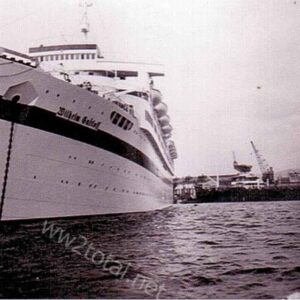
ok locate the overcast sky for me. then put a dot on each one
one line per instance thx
(232, 67)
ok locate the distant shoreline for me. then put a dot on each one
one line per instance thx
(246, 195)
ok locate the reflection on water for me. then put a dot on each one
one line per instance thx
(217, 250)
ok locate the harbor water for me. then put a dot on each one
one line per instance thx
(215, 250)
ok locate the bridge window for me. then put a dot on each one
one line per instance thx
(125, 124)
(115, 117)
(128, 125)
(120, 121)
(140, 95)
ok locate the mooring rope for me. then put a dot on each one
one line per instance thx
(12, 126)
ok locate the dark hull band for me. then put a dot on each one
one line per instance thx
(48, 121)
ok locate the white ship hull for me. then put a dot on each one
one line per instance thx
(52, 166)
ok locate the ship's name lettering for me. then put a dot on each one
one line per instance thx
(70, 115)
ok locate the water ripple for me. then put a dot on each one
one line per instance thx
(214, 250)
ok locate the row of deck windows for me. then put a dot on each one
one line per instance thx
(67, 56)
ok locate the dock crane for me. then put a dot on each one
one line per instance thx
(266, 171)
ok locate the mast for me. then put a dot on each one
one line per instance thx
(234, 159)
(85, 25)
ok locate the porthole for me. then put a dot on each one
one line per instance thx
(58, 95)
(74, 101)
(47, 91)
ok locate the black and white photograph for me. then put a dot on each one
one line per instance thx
(150, 149)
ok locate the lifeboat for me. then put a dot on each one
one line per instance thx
(171, 143)
(167, 129)
(155, 96)
(172, 149)
(164, 120)
(161, 109)
(174, 156)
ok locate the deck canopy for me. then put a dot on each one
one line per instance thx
(63, 47)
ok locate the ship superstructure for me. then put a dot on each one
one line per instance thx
(123, 83)
(81, 135)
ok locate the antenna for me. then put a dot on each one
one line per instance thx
(234, 158)
(85, 26)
